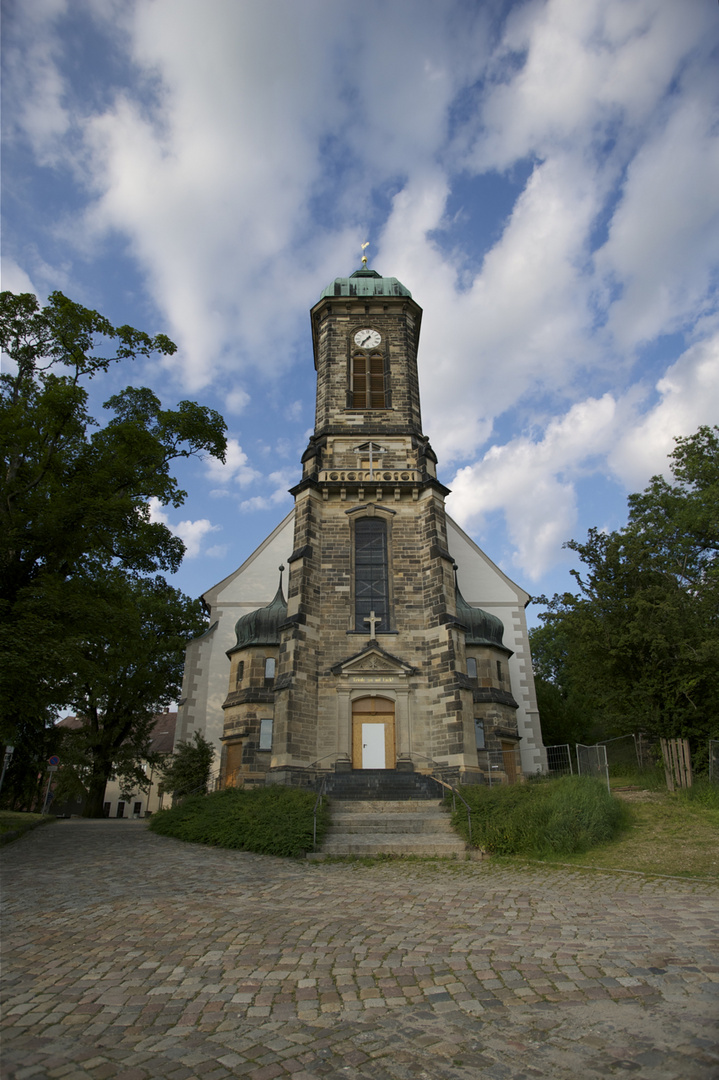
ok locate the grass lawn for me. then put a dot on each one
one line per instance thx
(14, 821)
(675, 834)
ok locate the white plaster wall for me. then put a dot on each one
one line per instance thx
(207, 667)
(484, 585)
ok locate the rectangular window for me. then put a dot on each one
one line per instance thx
(121, 809)
(371, 576)
(499, 670)
(368, 389)
(479, 733)
(270, 666)
(471, 667)
(376, 382)
(240, 672)
(106, 809)
(137, 808)
(359, 382)
(266, 734)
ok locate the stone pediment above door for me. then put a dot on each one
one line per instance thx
(373, 661)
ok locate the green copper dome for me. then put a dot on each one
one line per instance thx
(482, 628)
(262, 627)
(366, 283)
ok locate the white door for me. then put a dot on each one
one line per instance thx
(373, 746)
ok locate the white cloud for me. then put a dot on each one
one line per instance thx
(532, 482)
(521, 323)
(664, 237)
(217, 552)
(14, 278)
(191, 533)
(281, 481)
(243, 168)
(688, 397)
(236, 401)
(30, 62)
(234, 470)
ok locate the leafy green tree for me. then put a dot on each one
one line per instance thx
(74, 502)
(638, 648)
(127, 667)
(188, 770)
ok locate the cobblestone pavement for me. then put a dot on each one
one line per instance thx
(131, 956)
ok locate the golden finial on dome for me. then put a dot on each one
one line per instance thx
(364, 257)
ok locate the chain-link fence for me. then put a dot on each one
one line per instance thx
(559, 760)
(622, 756)
(592, 761)
(501, 766)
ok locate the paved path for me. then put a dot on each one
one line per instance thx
(133, 957)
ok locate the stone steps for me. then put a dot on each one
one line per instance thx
(391, 827)
(386, 785)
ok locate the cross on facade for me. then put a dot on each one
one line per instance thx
(372, 619)
(371, 446)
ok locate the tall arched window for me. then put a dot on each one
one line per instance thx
(368, 389)
(371, 574)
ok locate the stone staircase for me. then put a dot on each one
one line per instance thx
(382, 812)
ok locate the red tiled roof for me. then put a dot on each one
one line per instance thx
(162, 739)
(163, 733)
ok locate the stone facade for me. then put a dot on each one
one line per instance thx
(386, 666)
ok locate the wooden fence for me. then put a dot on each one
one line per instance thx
(677, 763)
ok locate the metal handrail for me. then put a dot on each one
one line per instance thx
(313, 764)
(457, 795)
(318, 803)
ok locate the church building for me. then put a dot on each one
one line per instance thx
(368, 631)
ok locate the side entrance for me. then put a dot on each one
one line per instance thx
(373, 739)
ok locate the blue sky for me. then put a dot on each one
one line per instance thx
(543, 176)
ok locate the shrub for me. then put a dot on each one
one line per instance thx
(269, 821)
(548, 817)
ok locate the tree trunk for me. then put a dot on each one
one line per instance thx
(95, 802)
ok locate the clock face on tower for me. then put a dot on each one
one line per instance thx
(367, 339)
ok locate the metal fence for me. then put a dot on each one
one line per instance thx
(592, 761)
(500, 766)
(559, 760)
(714, 760)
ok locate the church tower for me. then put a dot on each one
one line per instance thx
(375, 660)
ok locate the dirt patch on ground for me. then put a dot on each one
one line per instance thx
(638, 795)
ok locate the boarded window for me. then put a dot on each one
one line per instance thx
(371, 575)
(266, 733)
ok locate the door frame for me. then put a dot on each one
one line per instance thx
(374, 710)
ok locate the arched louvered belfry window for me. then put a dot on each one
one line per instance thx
(368, 381)
(371, 575)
